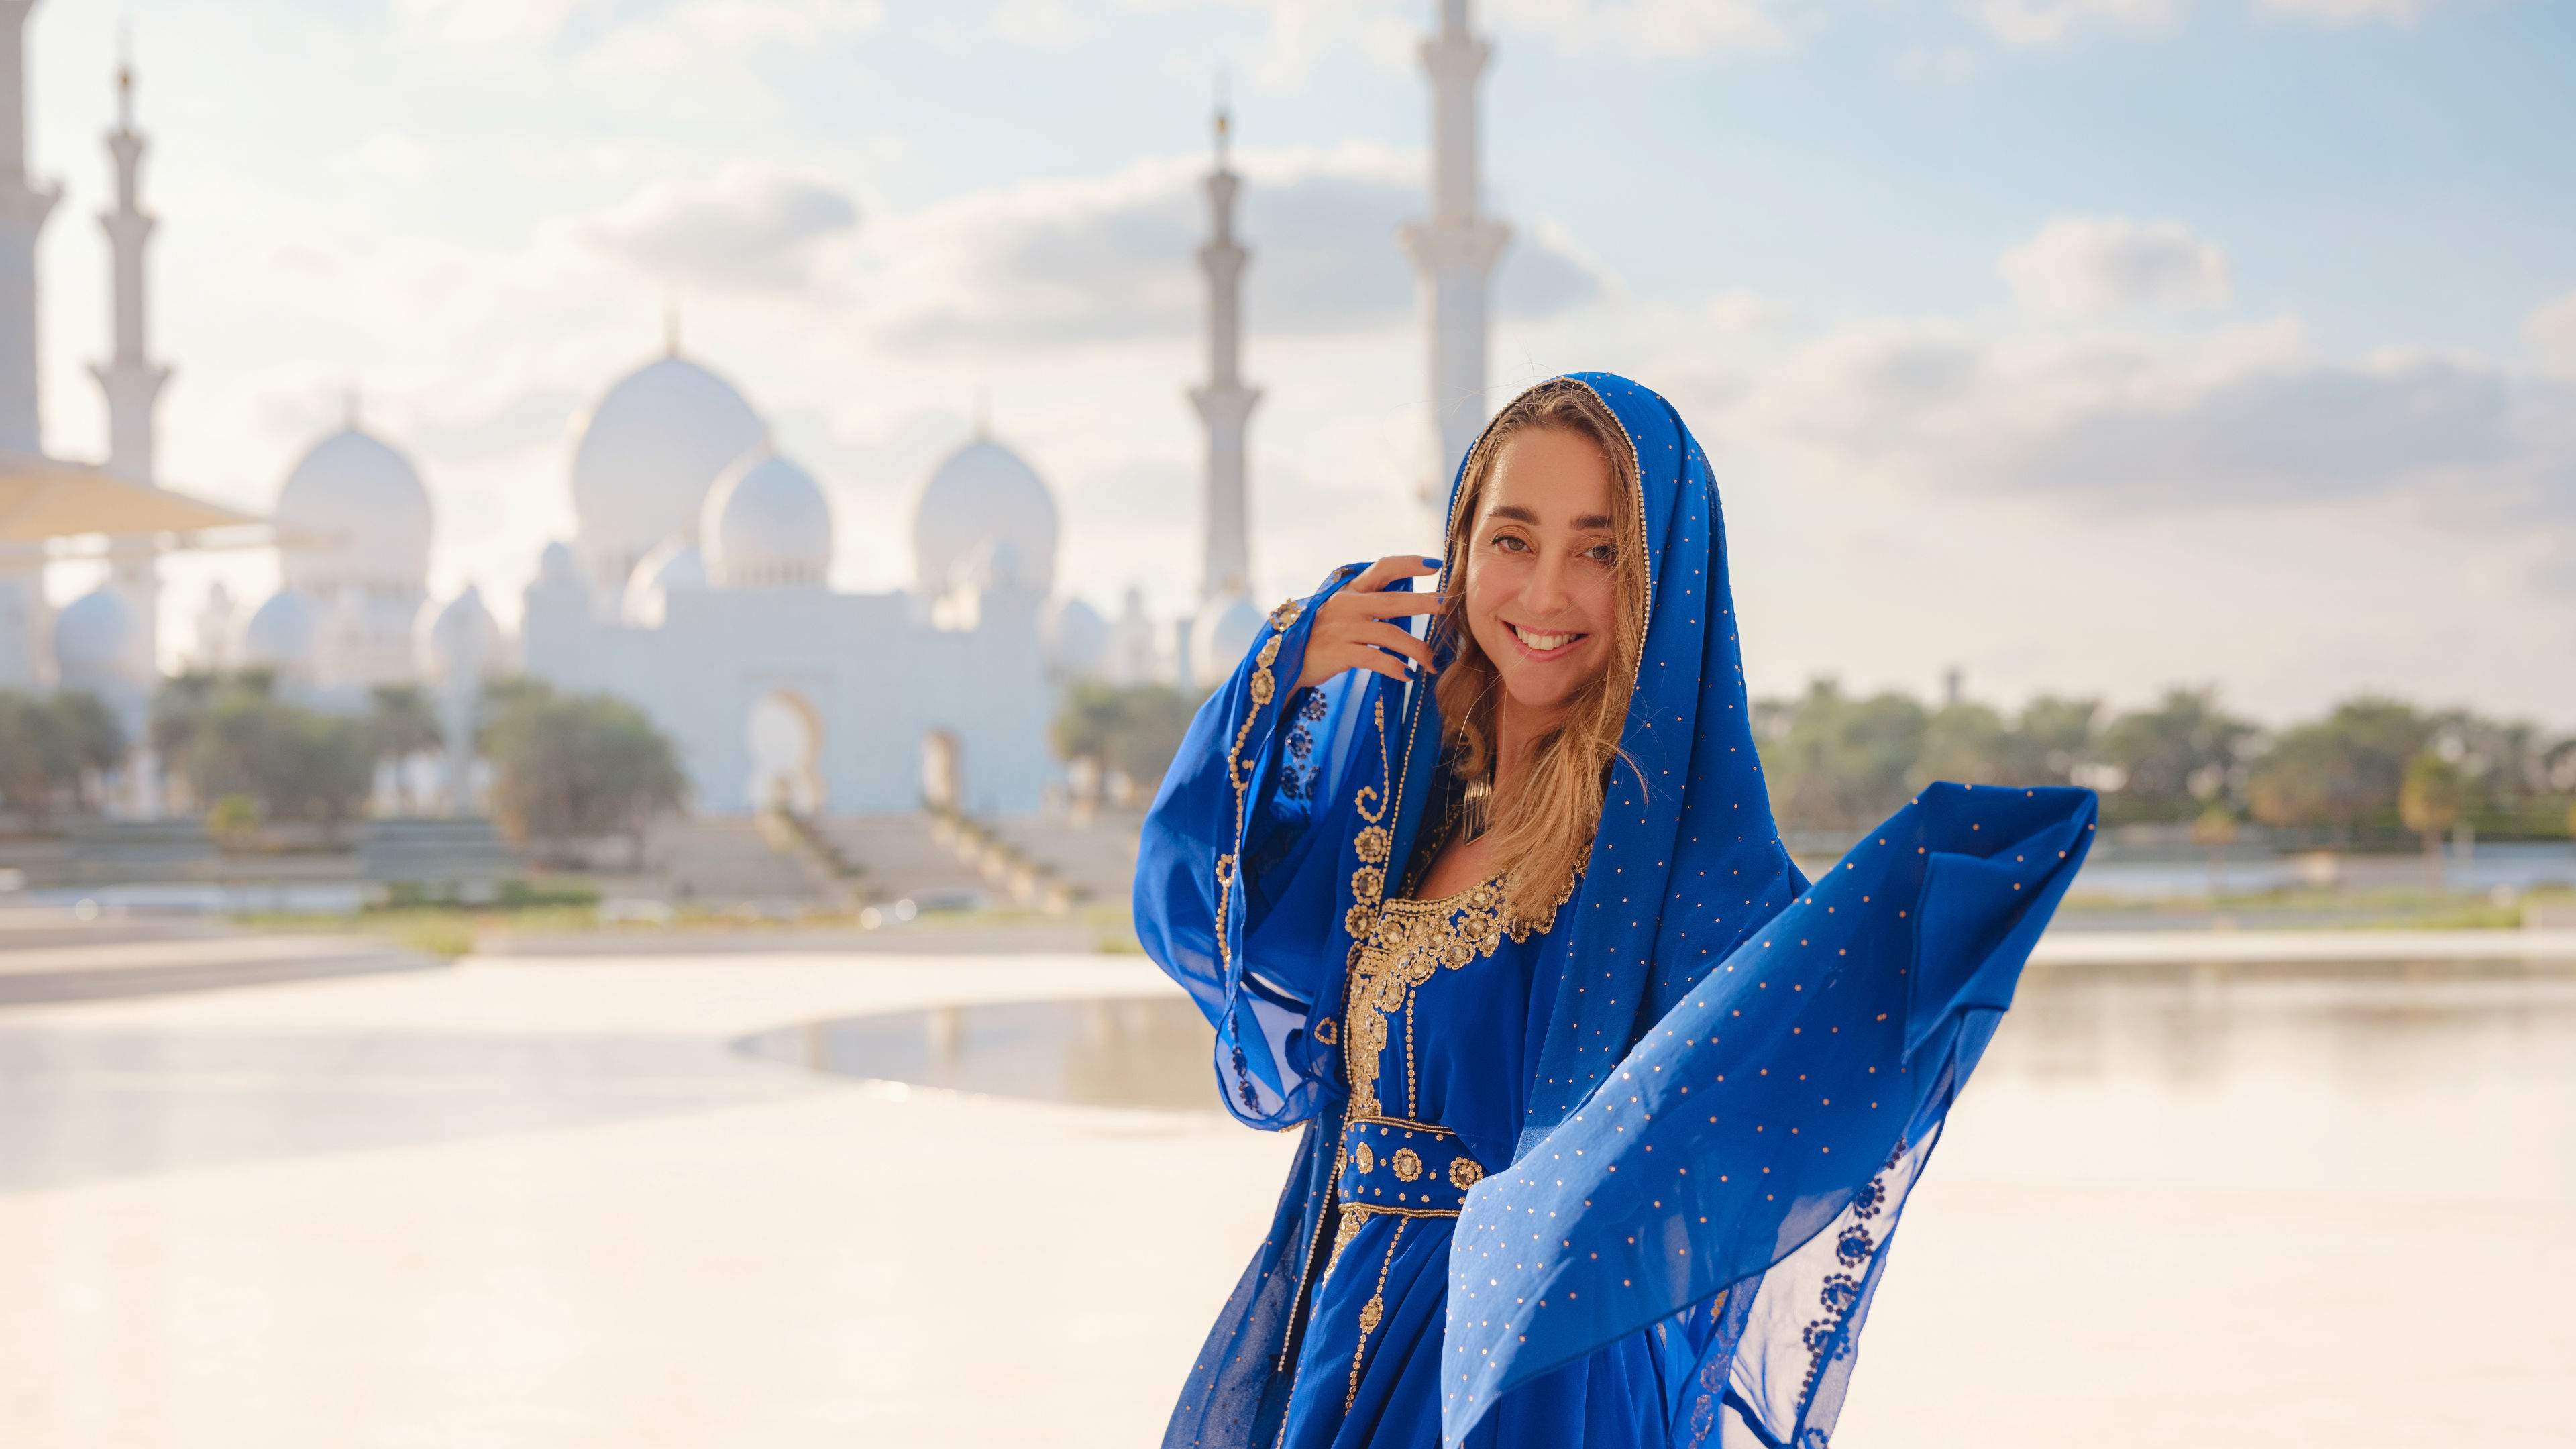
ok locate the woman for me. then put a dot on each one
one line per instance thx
(1609, 1115)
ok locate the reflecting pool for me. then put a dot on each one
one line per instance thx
(2407, 1079)
(1109, 1052)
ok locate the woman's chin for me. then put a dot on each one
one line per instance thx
(1541, 695)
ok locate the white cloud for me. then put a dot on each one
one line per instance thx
(2088, 265)
(1113, 258)
(2249, 416)
(1742, 313)
(744, 22)
(2028, 23)
(2347, 12)
(2550, 333)
(723, 22)
(748, 229)
(1649, 29)
(1042, 23)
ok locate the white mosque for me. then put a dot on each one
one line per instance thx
(696, 584)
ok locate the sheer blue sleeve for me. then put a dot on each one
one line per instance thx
(1750, 1157)
(1235, 877)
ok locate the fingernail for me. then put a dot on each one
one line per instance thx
(1431, 563)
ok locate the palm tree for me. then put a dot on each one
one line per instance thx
(95, 742)
(178, 710)
(405, 723)
(2428, 800)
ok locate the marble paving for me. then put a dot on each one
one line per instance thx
(541, 1203)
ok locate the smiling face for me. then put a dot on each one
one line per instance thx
(1542, 561)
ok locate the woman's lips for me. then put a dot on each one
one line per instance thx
(1543, 645)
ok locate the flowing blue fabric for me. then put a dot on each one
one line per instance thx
(1277, 833)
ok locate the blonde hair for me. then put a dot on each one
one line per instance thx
(1541, 820)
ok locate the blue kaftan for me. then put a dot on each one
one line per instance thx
(1456, 1052)
(1630, 1180)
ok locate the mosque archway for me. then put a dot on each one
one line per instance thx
(785, 735)
(943, 777)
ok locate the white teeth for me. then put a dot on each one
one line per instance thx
(1544, 642)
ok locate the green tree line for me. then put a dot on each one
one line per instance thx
(1840, 762)
(53, 751)
(564, 766)
(2369, 771)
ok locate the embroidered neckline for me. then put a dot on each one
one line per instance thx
(1409, 940)
(1413, 906)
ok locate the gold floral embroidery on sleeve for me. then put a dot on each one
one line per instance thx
(1238, 773)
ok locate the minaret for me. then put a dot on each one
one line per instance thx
(23, 209)
(1455, 250)
(1225, 404)
(131, 380)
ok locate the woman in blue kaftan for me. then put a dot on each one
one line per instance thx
(1609, 1161)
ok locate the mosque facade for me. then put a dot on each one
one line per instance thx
(725, 629)
(697, 587)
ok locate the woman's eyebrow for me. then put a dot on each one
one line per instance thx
(1516, 512)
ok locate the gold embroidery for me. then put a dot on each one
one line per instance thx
(1238, 773)
(1371, 1314)
(1408, 1164)
(1409, 941)
(1353, 1219)
(1325, 1032)
(1285, 615)
(1365, 1160)
(1464, 1173)
(1374, 843)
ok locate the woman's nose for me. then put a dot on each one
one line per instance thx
(1546, 592)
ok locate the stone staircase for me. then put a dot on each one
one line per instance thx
(721, 859)
(1096, 859)
(903, 860)
(1045, 862)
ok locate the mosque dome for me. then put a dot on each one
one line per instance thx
(767, 525)
(983, 494)
(280, 634)
(556, 565)
(461, 638)
(1221, 635)
(648, 451)
(1076, 639)
(674, 566)
(91, 637)
(353, 511)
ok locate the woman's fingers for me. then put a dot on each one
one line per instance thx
(1390, 568)
(1391, 638)
(1389, 606)
(1326, 658)
(1376, 661)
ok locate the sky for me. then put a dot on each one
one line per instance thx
(2082, 346)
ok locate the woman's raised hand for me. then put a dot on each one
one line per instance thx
(1351, 632)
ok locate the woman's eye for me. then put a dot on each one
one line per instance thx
(1601, 553)
(1511, 544)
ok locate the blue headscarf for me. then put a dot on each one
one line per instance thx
(1686, 861)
